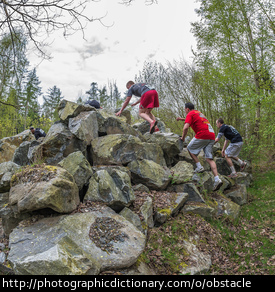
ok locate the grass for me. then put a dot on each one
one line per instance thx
(244, 246)
(249, 240)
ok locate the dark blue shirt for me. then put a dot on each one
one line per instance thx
(138, 89)
(230, 133)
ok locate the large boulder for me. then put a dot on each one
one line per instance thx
(42, 187)
(20, 156)
(204, 181)
(84, 126)
(199, 208)
(58, 144)
(104, 115)
(238, 194)
(226, 206)
(144, 127)
(121, 149)
(151, 174)
(189, 188)
(79, 167)
(182, 172)
(68, 109)
(170, 143)
(111, 185)
(115, 125)
(8, 145)
(7, 169)
(201, 261)
(83, 243)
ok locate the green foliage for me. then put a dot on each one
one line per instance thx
(249, 239)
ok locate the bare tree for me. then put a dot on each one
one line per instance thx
(37, 19)
(147, 2)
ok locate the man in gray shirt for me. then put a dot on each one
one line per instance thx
(148, 100)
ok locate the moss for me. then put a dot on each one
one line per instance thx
(166, 211)
(33, 174)
(51, 168)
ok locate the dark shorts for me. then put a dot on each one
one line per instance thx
(149, 99)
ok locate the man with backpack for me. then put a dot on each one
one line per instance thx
(37, 132)
(234, 148)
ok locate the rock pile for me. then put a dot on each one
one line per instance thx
(81, 200)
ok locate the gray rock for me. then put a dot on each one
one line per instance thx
(237, 194)
(58, 144)
(141, 188)
(226, 206)
(199, 208)
(204, 181)
(7, 169)
(170, 143)
(68, 109)
(172, 209)
(20, 156)
(79, 167)
(144, 127)
(182, 172)
(149, 173)
(84, 126)
(133, 218)
(121, 149)
(111, 185)
(147, 213)
(64, 245)
(201, 261)
(53, 188)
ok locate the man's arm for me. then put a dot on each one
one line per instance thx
(126, 102)
(226, 142)
(135, 103)
(184, 131)
(180, 119)
(220, 134)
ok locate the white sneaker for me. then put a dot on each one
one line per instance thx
(199, 169)
(217, 185)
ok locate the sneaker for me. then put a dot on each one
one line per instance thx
(152, 126)
(199, 169)
(217, 185)
(232, 175)
(243, 166)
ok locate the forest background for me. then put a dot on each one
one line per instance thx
(232, 73)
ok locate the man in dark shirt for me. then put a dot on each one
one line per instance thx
(148, 100)
(233, 150)
(37, 132)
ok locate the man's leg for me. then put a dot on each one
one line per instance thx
(194, 157)
(195, 147)
(145, 114)
(208, 152)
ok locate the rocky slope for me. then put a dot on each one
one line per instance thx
(83, 199)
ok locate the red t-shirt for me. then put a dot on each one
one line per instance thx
(200, 125)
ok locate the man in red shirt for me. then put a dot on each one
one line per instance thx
(204, 139)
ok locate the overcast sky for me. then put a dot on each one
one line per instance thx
(136, 33)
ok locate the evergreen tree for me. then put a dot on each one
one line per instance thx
(51, 101)
(103, 96)
(29, 103)
(93, 92)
